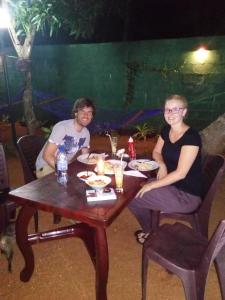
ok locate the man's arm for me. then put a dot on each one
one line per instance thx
(49, 154)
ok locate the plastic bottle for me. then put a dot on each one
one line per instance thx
(131, 148)
(62, 165)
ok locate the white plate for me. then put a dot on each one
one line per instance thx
(86, 175)
(89, 159)
(143, 165)
(109, 164)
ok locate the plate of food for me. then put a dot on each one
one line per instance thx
(143, 165)
(109, 166)
(90, 159)
(98, 181)
(84, 175)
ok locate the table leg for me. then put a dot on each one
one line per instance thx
(25, 214)
(102, 263)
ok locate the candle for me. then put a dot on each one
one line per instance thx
(100, 166)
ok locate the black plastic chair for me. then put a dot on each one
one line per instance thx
(186, 253)
(29, 146)
(7, 208)
(213, 170)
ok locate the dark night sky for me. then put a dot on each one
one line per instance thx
(155, 19)
(182, 18)
(176, 18)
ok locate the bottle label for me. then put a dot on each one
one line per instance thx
(62, 165)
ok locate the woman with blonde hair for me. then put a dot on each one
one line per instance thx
(177, 187)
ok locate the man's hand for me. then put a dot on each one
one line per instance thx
(85, 150)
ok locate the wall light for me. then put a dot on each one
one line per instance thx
(201, 55)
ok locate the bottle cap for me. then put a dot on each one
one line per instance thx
(61, 148)
(130, 140)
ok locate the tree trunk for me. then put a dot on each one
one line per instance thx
(30, 118)
(23, 51)
(213, 137)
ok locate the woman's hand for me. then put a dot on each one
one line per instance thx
(146, 188)
(162, 172)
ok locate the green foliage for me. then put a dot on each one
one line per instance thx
(5, 118)
(143, 130)
(34, 15)
(47, 131)
(78, 17)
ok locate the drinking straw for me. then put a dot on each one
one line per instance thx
(109, 137)
(121, 153)
(121, 159)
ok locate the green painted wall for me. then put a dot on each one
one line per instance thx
(96, 71)
(134, 75)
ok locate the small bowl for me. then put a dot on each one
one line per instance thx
(98, 182)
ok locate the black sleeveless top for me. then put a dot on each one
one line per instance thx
(192, 183)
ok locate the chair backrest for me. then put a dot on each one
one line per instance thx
(213, 171)
(29, 146)
(215, 245)
(4, 176)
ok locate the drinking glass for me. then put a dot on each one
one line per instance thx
(114, 141)
(100, 166)
(118, 170)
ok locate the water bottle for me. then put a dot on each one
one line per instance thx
(62, 165)
(131, 148)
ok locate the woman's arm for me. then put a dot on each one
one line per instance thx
(157, 155)
(187, 156)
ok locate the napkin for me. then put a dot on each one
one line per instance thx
(134, 173)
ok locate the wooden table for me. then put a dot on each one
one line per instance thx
(47, 195)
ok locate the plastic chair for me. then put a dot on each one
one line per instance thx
(7, 208)
(29, 146)
(186, 253)
(213, 170)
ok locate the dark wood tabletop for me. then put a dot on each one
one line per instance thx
(69, 201)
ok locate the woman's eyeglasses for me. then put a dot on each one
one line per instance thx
(174, 110)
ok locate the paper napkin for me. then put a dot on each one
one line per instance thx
(134, 173)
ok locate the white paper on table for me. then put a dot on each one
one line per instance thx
(134, 173)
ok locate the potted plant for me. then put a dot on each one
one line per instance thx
(143, 131)
(144, 138)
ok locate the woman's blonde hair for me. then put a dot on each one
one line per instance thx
(179, 98)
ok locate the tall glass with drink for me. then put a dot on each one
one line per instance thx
(100, 166)
(118, 170)
(114, 141)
